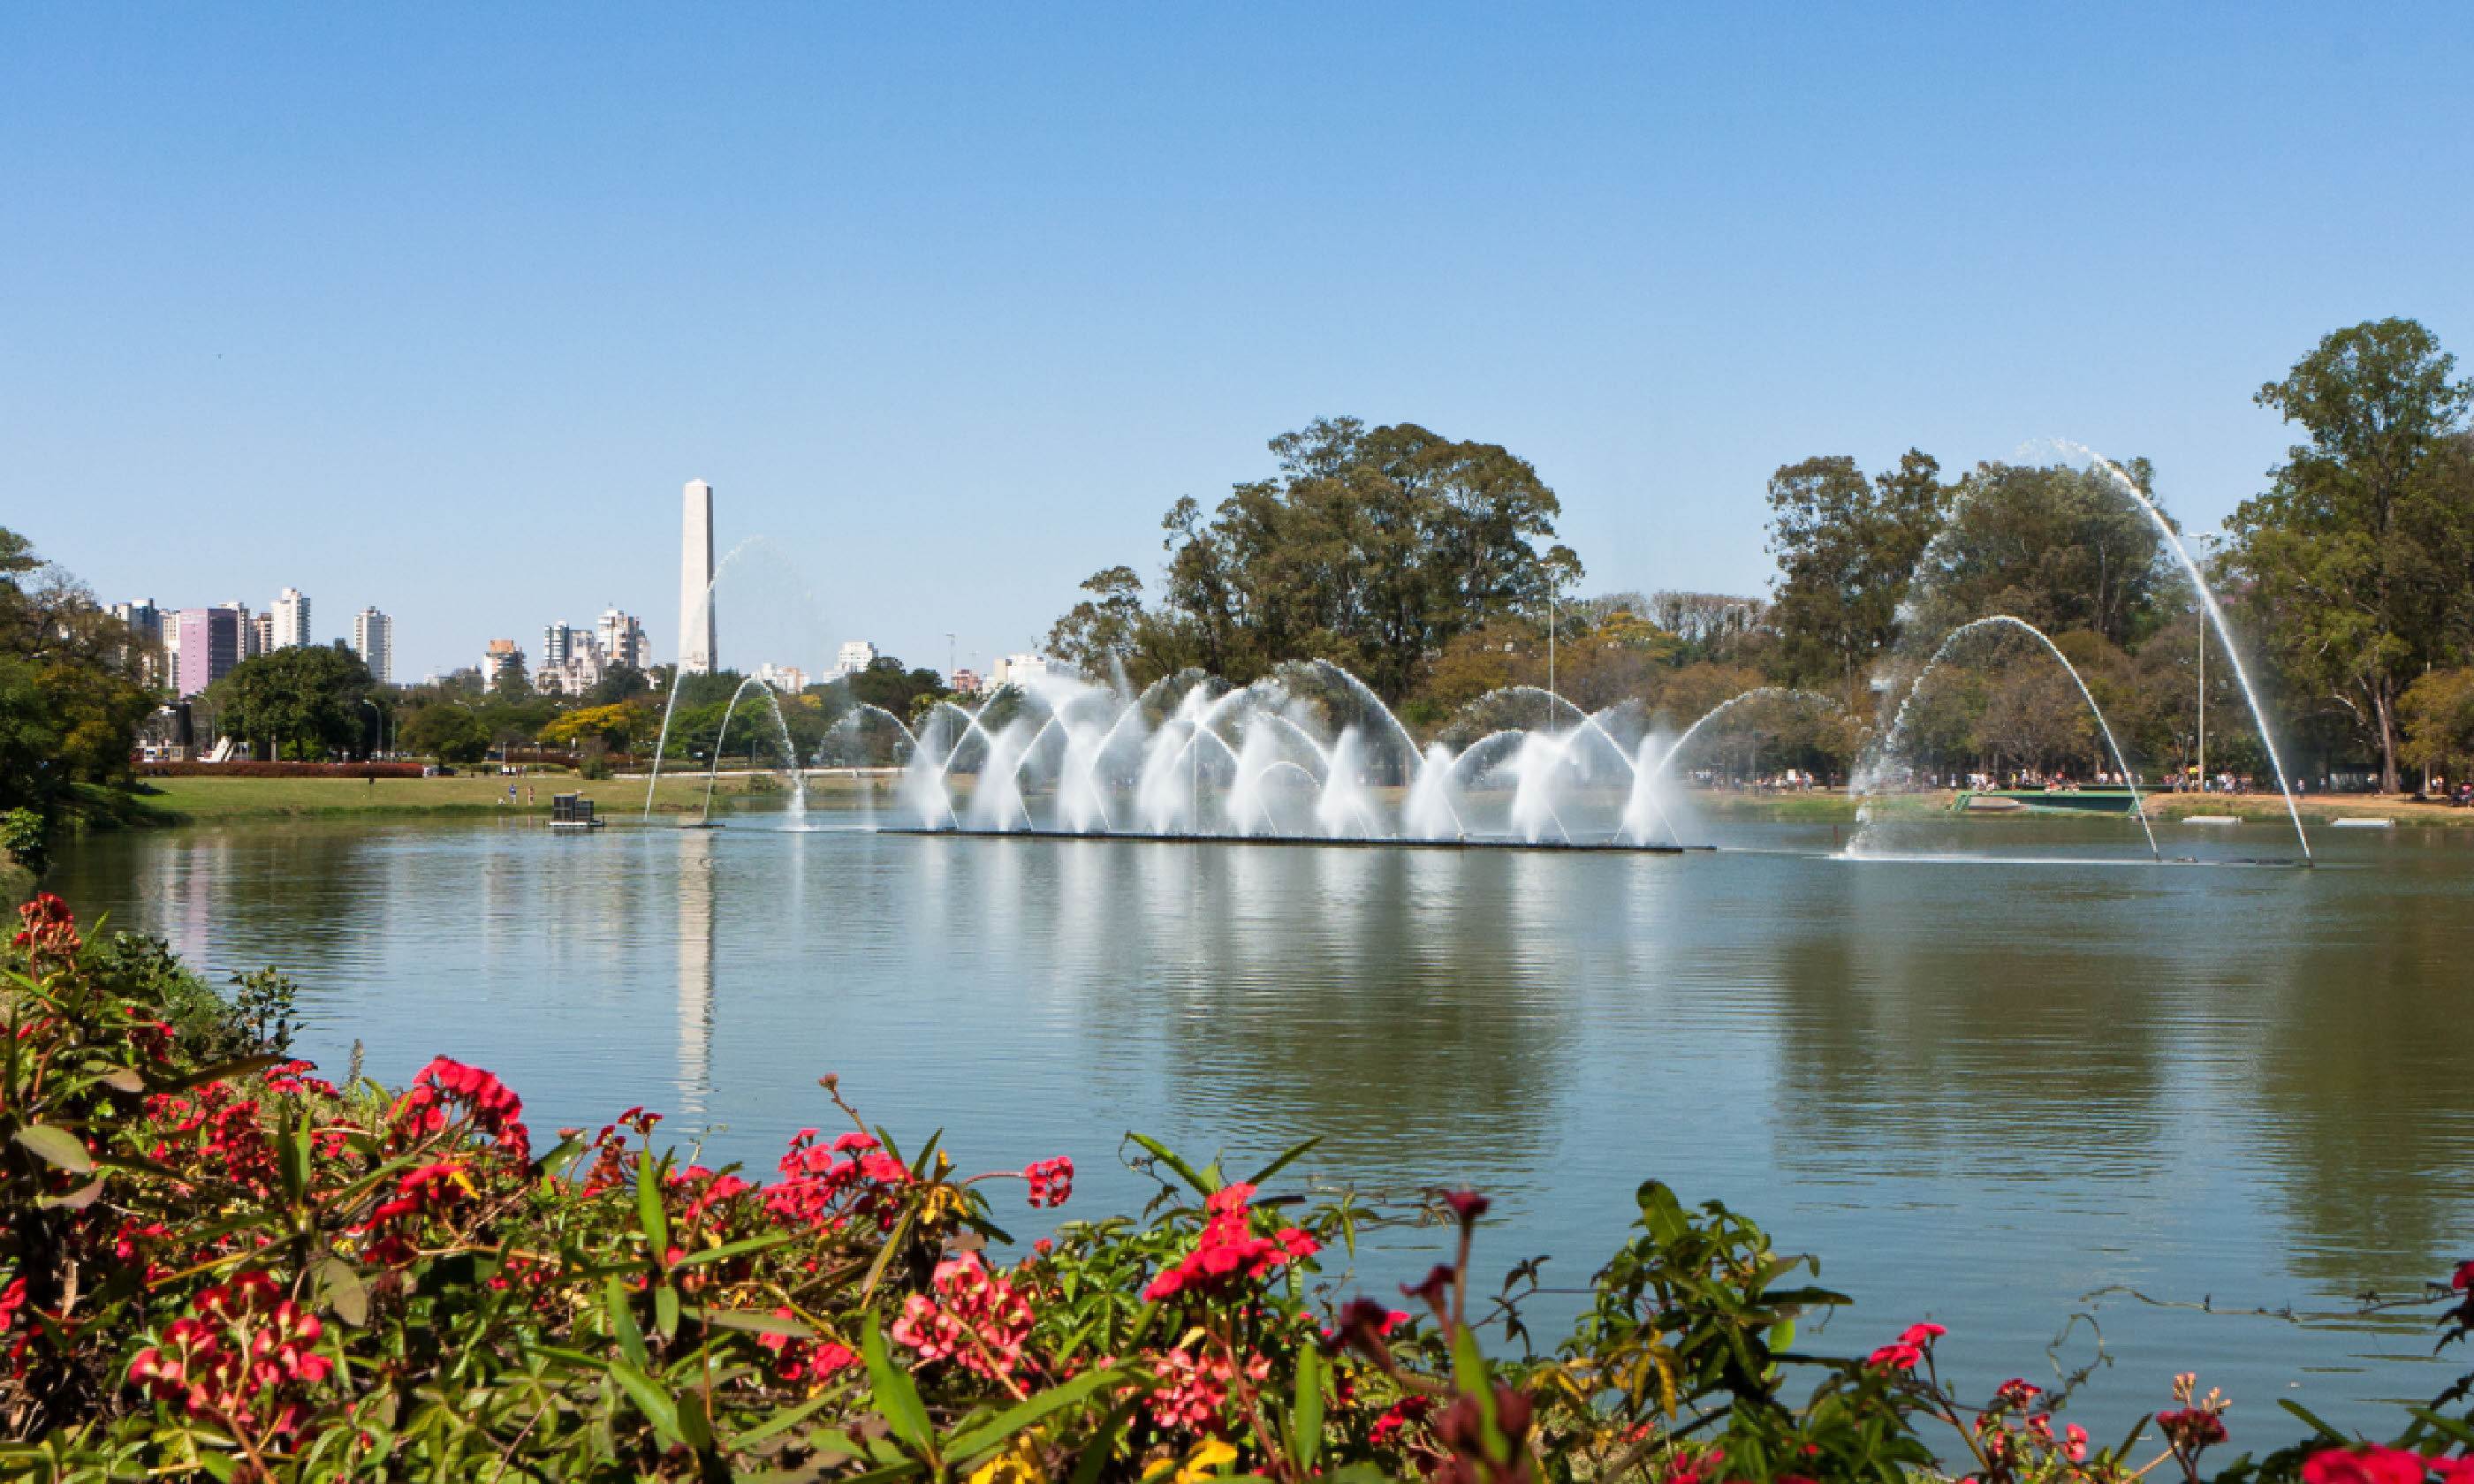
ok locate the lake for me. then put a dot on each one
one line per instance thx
(1983, 1090)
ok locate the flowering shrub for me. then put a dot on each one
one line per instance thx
(234, 1267)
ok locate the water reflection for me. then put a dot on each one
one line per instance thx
(1980, 1091)
(696, 868)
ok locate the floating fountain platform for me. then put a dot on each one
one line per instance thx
(1327, 841)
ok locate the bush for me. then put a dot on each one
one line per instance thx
(226, 1265)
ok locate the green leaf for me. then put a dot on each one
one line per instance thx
(343, 1290)
(220, 1465)
(556, 1161)
(240, 1068)
(78, 1199)
(1169, 1157)
(1292, 1156)
(622, 1326)
(1096, 1452)
(2305, 1413)
(1470, 1374)
(123, 1079)
(779, 1422)
(729, 1250)
(648, 1208)
(695, 1429)
(751, 1321)
(897, 1396)
(56, 1146)
(651, 1397)
(666, 1311)
(1307, 1415)
(1005, 1425)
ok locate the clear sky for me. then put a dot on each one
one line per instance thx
(435, 307)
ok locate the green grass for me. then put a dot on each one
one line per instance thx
(198, 800)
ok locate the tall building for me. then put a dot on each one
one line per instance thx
(501, 662)
(559, 643)
(257, 636)
(696, 648)
(623, 640)
(291, 619)
(571, 660)
(856, 656)
(147, 638)
(373, 640)
(1023, 669)
(787, 679)
(144, 619)
(210, 647)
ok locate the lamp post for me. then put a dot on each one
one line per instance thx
(377, 733)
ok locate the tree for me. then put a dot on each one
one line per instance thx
(308, 698)
(70, 699)
(2059, 547)
(619, 682)
(1372, 548)
(887, 686)
(2439, 713)
(614, 725)
(449, 732)
(1845, 549)
(2354, 560)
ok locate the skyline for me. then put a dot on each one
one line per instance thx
(436, 313)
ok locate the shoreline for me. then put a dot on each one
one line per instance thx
(183, 801)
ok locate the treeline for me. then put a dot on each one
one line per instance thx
(1429, 567)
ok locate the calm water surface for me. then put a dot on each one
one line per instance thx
(1981, 1090)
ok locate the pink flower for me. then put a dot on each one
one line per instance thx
(976, 1319)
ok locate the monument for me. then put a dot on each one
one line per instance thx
(695, 581)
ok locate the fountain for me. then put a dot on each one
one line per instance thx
(1896, 739)
(1307, 754)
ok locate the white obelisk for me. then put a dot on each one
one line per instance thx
(695, 581)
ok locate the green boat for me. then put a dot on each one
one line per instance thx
(2103, 800)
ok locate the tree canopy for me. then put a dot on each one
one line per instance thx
(70, 698)
(308, 700)
(1372, 548)
(2354, 562)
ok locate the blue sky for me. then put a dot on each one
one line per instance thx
(436, 307)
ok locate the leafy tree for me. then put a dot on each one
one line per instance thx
(70, 699)
(307, 699)
(1374, 548)
(449, 732)
(2439, 713)
(2059, 547)
(902, 692)
(1844, 547)
(618, 682)
(2354, 560)
(616, 725)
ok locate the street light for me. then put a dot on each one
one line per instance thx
(378, 736)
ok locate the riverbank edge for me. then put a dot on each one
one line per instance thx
(186, 801)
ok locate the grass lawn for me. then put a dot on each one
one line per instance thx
(198, 800)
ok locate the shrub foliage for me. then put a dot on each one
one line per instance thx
(218, 1264)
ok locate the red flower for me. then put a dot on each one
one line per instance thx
(1466, 1205)
(1052, 1182)
(2464, 1276)
(2371, 1464)
(1229, 1247)
(1437, 1284)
